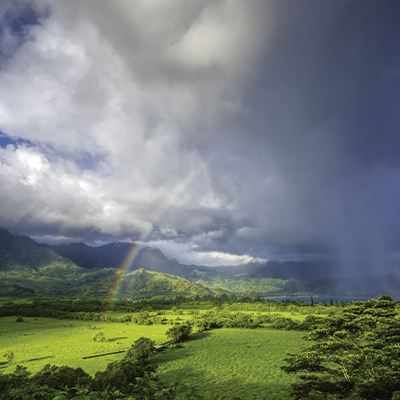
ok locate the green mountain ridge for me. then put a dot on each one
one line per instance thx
(239, 285)
(31, 269)
(150, 283)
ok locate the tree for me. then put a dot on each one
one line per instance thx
(9, 356)
(134, 374)
(61, 377)
(141, 350)
(355, 355)
(179, 333)
(98, 337)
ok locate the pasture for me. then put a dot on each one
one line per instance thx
(217, 364)
(225, 363)
(40, 341)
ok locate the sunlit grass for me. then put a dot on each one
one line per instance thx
(40, 341)
(225, 363)
(218, 364)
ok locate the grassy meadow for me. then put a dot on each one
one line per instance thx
(217, 364)
(232, 363)
(40, 341)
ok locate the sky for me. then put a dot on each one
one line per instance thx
(220, 131)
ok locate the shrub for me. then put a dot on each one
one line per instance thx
(141, 350)
(19, 319)
(61, 377)
(8, 355)
(98, 337)
(179, 333)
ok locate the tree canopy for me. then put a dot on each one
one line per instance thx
(355, 355)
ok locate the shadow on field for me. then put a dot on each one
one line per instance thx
(39, 358)
(180, 350)
(173, 353)
(204, 384)
(198, 336)
(117, 338)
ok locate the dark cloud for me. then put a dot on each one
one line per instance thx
(16, 21)
(208, 128)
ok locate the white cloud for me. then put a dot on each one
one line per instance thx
(188, 253)
(220, 33)
(74, 89)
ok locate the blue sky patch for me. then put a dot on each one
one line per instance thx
(15, 27)
(6, 140)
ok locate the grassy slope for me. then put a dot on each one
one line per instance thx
(240, 285)
(149, 283)
(225, 363)
(59, 279)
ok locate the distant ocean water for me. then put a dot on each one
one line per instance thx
(321, 299)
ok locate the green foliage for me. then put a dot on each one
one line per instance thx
(239, 285)
(61, 377)
(141, 350)
(142, 283)
(145, 318)
(179, 333)
(9, 356)
(226, 319)
(133, 377)
(19, 319)
(355, 354)
(98, 337)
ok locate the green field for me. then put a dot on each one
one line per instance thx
(225, 363)
(40, 341)
(217, 364)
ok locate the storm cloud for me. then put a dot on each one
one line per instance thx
(219, 131)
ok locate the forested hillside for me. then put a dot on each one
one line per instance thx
(28, 268)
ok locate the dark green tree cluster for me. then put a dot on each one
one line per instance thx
(215, 319)
(288, 324)
(179, 333)
(354, 356)
(225, 319)
(146, 318)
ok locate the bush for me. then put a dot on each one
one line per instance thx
(19, 319)
(141, 350)
(61, 377)
(8, 355)
(131, 375)
(179, 333)
(98, 337)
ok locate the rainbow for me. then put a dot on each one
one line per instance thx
(115, 290)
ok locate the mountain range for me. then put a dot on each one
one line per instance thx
(28, 268)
